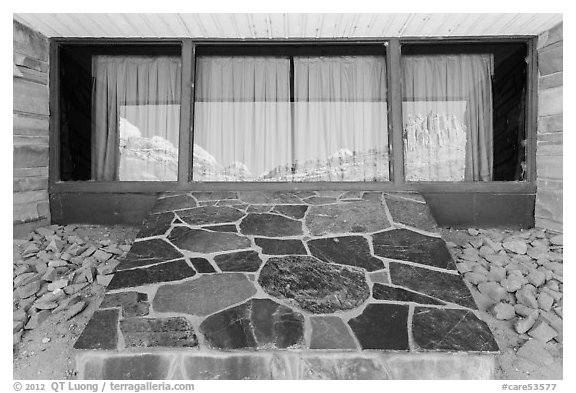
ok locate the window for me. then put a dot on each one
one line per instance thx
(463, 112)
(126, 124)
(291, 115)
(292, 112)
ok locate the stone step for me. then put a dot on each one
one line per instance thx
(190, 365)
(293, 285)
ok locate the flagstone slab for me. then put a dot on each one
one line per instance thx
(406, 195)
(406, 245)
(303, 194)
(222, 228)
(386, 292)
(158, 332)
(204, 295)
(257, 324)
(292, 211)
(380, 277)
(201, 265)
(451, 330)
(382, 326)
(155, 225)
(347, 368)
(133, 304)
(214, 195)
(330, 333)
(351, 195)
(132, 366)
(269, 198)
(280, 247)
(242, 261)
(207, 242)
(444, 286)
(313, 285)
(346, 217)
(259, 208)
(210, 215)
(148, 252)
(321, 200)
(345, 250)
(232, 202)
(270, 225)
(101, 332)
(172, 203)
(162, 272)
(372, 196)
(411, 213)
(243, 366)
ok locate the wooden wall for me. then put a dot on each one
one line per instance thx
(30, 126)
(548, 211)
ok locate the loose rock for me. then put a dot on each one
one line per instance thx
(475, 278)
(526, 297)
(37, 319)
(74, 310)
(516, 246)
(542, 331)
(522, 325)
(503, 311)
(536, 278)
(496, 274)
(557, 240)
(534, 351)
(545, 301)
(493, 290)
(526, 311)
(28, 290)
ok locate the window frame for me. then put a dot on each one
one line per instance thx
(392, 45)
(290, 52)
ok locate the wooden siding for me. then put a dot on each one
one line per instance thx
(549, 154)
(30, 130)
(289, 25)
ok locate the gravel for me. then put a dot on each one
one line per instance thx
(51, 266)
(516, 277)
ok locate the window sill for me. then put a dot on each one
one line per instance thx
(424, 187)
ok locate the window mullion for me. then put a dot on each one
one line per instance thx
(292, 117)
(395, 111)
(186, 113)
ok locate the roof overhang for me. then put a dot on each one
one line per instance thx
(287, 26)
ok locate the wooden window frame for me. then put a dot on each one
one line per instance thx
(394, 103)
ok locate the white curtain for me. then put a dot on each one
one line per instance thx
(242, 120)
(136, 118)
(341, 128)
(447, 111)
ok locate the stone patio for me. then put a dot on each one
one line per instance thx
(266, 285)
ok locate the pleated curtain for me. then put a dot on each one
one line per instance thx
(136, 117)
(246, 128)
(242, 120)
(447, 111)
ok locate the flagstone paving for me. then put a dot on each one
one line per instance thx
(298, 271)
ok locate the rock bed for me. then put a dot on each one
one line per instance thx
(517, 276)
(51, 267)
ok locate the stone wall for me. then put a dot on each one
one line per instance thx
(30, 125)
(548, 211)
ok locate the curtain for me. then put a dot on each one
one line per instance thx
(447, 111)
(136, 118)
(246, 128)
(341, 130)
(242, 120)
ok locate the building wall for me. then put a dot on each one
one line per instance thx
(548, 211)
(30, 126)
